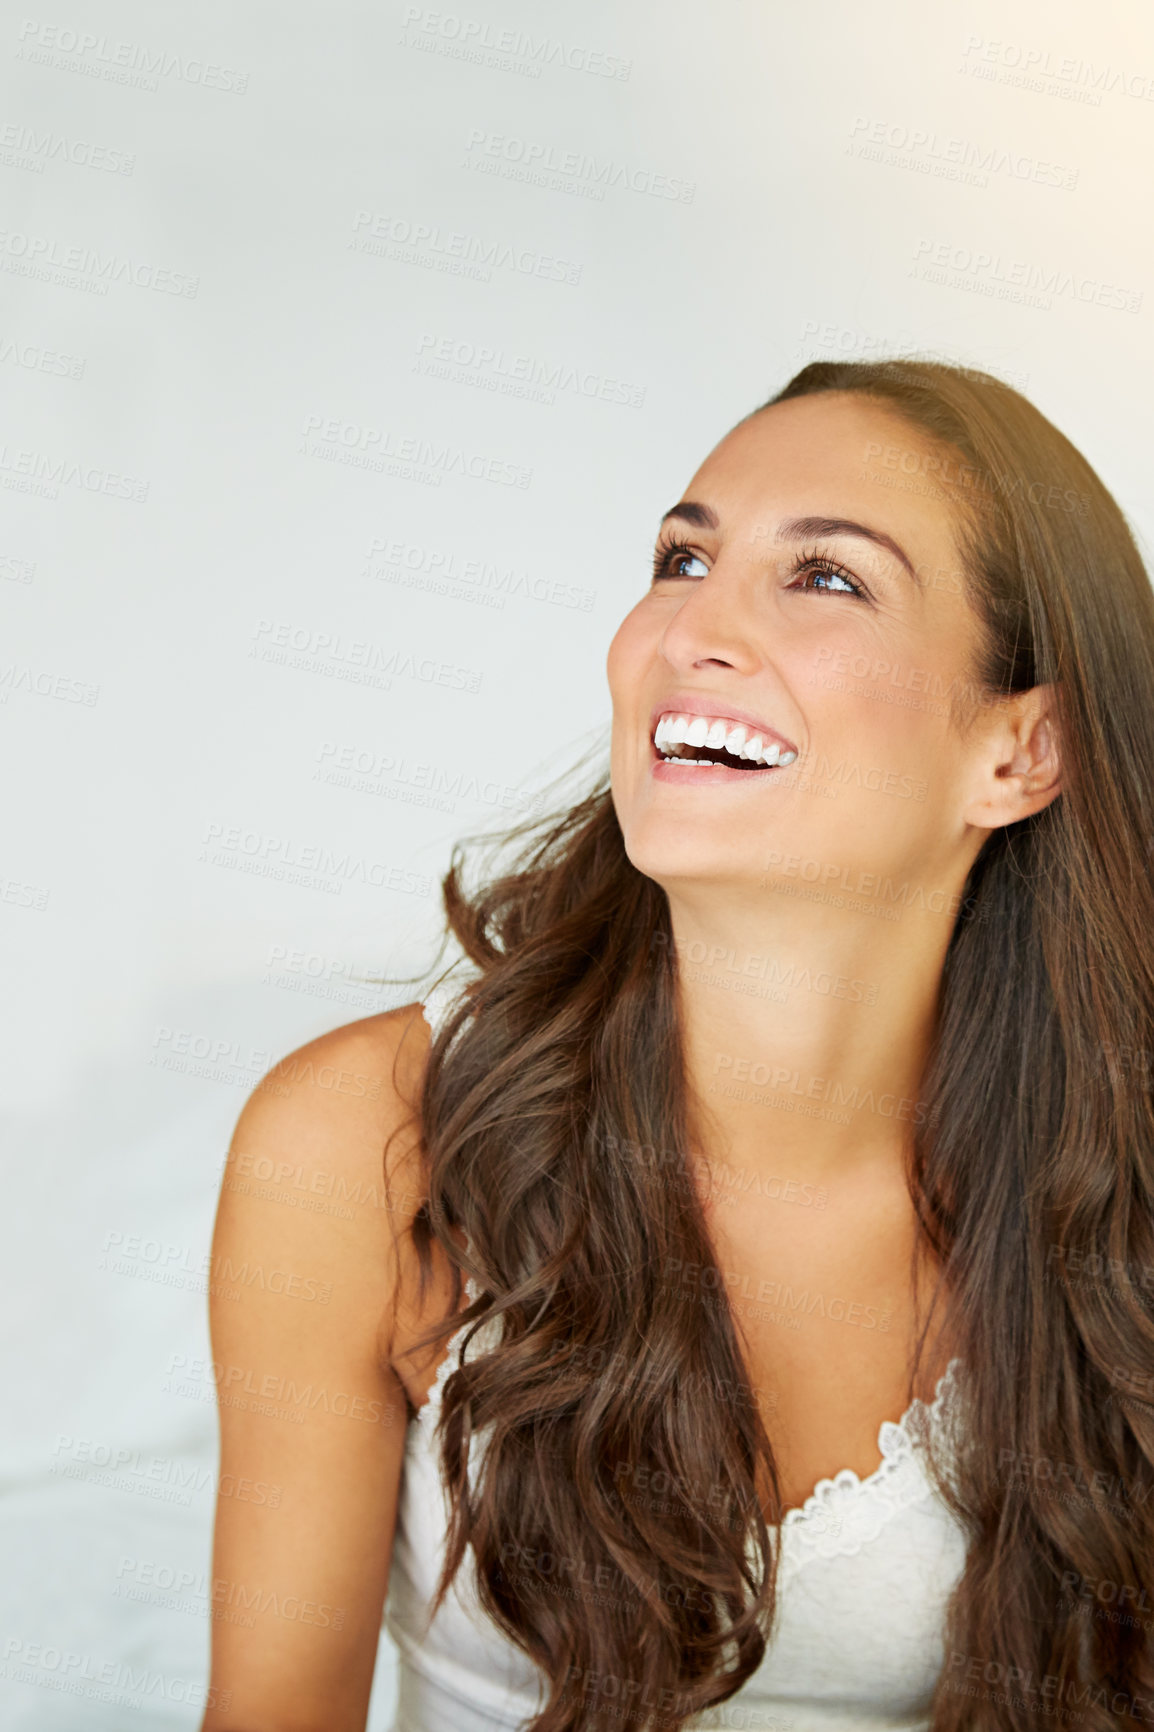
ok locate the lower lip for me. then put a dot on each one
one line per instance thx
(669, 770)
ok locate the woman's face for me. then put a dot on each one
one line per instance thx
(809, 589)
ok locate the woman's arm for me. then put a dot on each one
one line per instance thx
(312, 1417)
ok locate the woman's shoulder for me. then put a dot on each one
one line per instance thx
(371, 1068)
(327, 1162)
(328, 1144)
(366, 1074)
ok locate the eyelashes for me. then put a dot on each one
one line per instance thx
(822, 565)
(666, 555)
(669, 552)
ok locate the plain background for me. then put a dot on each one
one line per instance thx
(349, 355)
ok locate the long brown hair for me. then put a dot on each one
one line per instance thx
(554, 1121)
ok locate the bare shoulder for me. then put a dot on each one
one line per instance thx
(324, 1165)
(366, 1072)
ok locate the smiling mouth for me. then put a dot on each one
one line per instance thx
(682, 739)
(690, 755)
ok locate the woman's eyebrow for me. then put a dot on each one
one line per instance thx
(806, 528)
(798, 529)
(701, 516)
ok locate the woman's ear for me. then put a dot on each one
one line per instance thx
(1019, 768)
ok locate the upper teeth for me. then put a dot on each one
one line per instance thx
(743, 742)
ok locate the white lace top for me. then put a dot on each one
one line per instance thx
(865, 1569)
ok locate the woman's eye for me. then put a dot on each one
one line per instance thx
(677, 562)
(819, 578)
(832, 580)
(680, 566)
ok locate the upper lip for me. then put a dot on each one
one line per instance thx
(714, 709)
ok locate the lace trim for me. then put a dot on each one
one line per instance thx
(486, 1337)
(845, 1513)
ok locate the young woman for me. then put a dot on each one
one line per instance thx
(791, 1127)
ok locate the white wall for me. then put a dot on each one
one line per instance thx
(224, 280)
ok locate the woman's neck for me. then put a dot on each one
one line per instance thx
(806, 1033)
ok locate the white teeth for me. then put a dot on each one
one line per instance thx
(675, 729)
